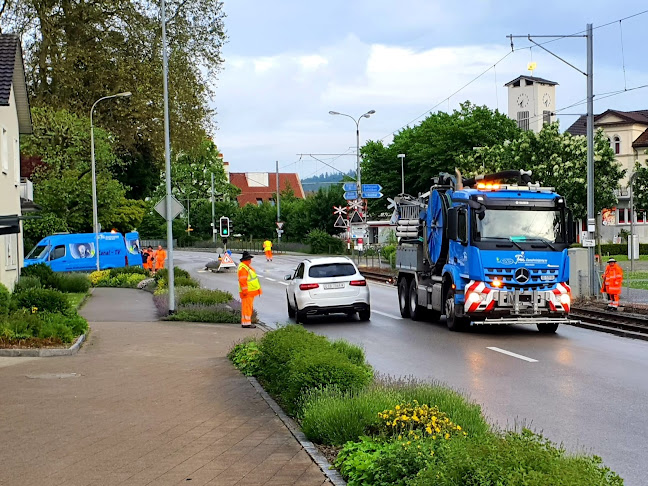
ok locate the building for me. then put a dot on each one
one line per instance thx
(627, 132)
(15, 120)
(531, 102)
(260, 187)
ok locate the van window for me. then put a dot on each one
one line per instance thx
(82, 250)
(38, 252)
(331, 270)
(133, 246)
(57, 252)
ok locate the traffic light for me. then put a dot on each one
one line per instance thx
(224, 226)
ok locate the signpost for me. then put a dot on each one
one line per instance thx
(351, 195)
(350, 186)
(371, 188)
(371, 194)
(176, 207)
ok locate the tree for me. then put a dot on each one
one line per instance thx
(640, 186)
(432, 147)
(558, 160)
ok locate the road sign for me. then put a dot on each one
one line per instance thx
(392, 203)
(371, 195)
(356, 218)
(340, 222)
(280, 224)
(351, 195)
(280, 231)
(358, 231)
(176, 208)
(226, 262)
(350, 186)
(588, 243)
(357, 205)
(371, 187)
(339, 210)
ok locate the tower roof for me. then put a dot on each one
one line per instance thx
(531, 78)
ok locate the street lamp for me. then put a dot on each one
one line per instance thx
(402, 157)
(357, 122)
(95, 218)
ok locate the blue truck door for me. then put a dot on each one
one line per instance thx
(133, 247)
(57, 260)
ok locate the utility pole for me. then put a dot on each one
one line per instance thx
(589, 75)
(278, 205)
(213, 209)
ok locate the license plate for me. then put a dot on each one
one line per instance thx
(334, 286)
(548, 278)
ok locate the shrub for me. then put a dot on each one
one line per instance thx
(5, 300)
(43, 300)
(71, 282)
(353, 352)
(128, 270)
(245, 357)
(76, 324)
(203, 296)
(513, 459)
(21, 324)
(99, 278)
(177, 272)
(388, 254)
(41, 270)
(321, 242)
(56, 328)
(26, 283)
(204, 315)
(186, 282)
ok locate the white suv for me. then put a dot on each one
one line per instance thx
(327, 285)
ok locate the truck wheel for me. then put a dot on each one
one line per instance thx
(291, 311)
(547, 328)
(415, 310)
(454, 322)
(403, 298)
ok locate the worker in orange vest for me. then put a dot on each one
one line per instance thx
(612, 283)
(267, 248)
(160, 256)
(147, 258)
(249, 288)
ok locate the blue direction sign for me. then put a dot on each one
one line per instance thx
(351, 186)
(371, 194)
(351, 195)
(371, 188)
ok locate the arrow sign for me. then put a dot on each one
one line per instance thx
(371, 188)
(371, 194)
(351, 186)
(351, 195)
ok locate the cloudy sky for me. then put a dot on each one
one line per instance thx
(289, 62)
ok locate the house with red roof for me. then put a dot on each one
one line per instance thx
(260, 187)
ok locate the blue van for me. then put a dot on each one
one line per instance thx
(77, 253)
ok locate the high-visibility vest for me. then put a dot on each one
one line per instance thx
(267, 245)
(612, 279)
(252, 279)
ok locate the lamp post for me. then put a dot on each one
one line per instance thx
(95, 217)
(357, 122)
(632, 218)
(402, 157)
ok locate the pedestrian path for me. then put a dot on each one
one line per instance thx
(143, 403)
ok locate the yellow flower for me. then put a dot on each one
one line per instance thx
(415, 418)
(397, 407)
(447, 436)
(428, 429)
(458, 427)
(431, 453)
(434, 437)
(34, 310)
(400, 437)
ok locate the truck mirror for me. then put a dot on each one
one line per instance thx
(453, 219)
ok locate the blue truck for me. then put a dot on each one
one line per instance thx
(65, 252)
(484, 251)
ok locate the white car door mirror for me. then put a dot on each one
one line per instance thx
(287, 277)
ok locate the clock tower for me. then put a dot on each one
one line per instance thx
(531, 102)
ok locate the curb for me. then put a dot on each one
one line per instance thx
(294, 429)
(44, 352)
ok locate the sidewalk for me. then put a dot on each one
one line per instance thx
(143, 403)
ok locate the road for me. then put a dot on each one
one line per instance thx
(586, 389)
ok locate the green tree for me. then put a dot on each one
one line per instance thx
(558, 160)
(640, 186)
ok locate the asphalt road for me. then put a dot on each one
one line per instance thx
(585, 389)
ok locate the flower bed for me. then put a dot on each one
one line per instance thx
(199, 305)
(117, 278)
(380, 431)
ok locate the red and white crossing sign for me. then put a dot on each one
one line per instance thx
(339, 210)
(280, 224)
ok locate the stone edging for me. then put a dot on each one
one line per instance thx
(44, 352)
(333, 475)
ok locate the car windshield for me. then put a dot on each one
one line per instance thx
(38, 252)
(520, 225)
(332, 270)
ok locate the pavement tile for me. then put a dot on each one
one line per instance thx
(152, 403)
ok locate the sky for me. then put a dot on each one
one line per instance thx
(289, 62)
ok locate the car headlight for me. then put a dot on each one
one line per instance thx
(474, 297)
(565, 299)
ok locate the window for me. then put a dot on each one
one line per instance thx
(16, 157)
(523, 120)
(462, 227)
(4, 150)
(546, 117)
(57, 252)
(332, 270)
(11, 251)
(299, 273)
(617, 145)
(622, 215)
(259, 201)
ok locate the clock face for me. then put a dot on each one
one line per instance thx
(523, 100)
(546, 100)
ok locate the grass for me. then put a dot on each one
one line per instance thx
(624, 258)
(77, 299)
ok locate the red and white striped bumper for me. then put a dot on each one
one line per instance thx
(481, 299)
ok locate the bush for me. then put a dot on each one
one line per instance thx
(186, 282)
(24, 324)
(71, 282)
(513, 459)
(21, 324)
(353, 352)
(26, 283)
(321, 242)
(128, 270)
(388, 254)
(41, 270)
(64, 327)
(99, 278)
(206, 314)
(203, 296)
(178, 272)
(245, 357)
(5, 300)
(43, 300)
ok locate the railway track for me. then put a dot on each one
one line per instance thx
(620, 323)
(379, 276)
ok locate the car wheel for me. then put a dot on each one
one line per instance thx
(403, 298)
(454, 322)
(300, 316)
(291, 311)
(365, 314)
(547, 328)
(415, 310)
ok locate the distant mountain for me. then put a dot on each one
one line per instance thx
(312, 184)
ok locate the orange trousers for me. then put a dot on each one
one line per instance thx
(247, 308)
(613, 300)
(268, 254)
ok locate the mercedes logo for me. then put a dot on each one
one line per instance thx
(522, 275)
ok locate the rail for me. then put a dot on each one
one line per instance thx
(620, 323)
(384, 277)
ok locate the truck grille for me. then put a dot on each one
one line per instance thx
(535, 282)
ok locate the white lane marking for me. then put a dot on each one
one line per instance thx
(203, 271)
(271, 279)
(509, 353)
(392, 316)
(284, 283)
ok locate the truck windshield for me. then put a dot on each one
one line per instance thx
(521, 225)
(38, 252)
